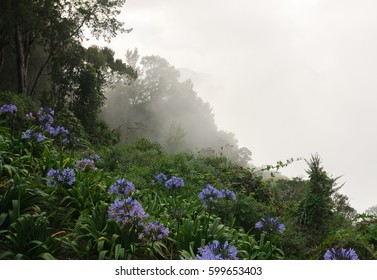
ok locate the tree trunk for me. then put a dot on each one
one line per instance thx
(40, 72)
(22, 61)
(1, 59)
(3, 43)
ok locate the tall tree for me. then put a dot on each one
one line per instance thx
(80, 77)
(316, 208)
(52, 24)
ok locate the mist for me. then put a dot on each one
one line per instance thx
(164, 107)
(288, 78)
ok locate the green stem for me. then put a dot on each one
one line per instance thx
(207, 224)
(86, 187)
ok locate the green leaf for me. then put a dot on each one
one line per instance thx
(3, 217)
(102, 255)
(47, 256)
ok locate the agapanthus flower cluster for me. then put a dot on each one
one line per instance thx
(217, 251)
(8, 109)
(122, 187)
(342, 254)
(228, 194)
(91, 156)
(58, 131)
(85, 165)
(45, 117)
(33, 135)
(154, 231)
(127, 211)
(210, 195)
(60, 177)
(160, 178)
(270, 225)
(174, 182)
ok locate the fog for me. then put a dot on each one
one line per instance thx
(288, 78)
(162, 105)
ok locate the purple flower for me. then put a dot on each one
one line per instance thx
(209, 196)
(154, 231)
(58, 132)
(33, 135)
(60, 177)
(40, 137)
(128, 211)
(160, 177)
(342, 254)
(85, 164)
(228, 194)
(90, 155)
(122, 187)
(270, 225)
(174, 182)
(45, 116)
(8, 108)
(216, 251)
(49, 129)
(95, 157)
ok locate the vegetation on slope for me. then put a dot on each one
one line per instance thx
(61, 199)
(173, 187)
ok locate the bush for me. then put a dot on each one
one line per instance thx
(67, 119)
(24, 105)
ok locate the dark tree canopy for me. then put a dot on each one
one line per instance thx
(25, 24)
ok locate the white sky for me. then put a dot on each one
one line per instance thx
(290, 78)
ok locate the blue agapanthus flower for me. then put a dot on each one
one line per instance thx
(228, 194)
(94, 157)
(49, 129)
(128, 211)
(217, 251)
(8, 109)
(174, 182)
(160, 178)
(154, 231)
(60, 177)
(122, 187)
(209, 196)
(45, 117)
(342, 254)
(85, 165)
(270, 225)
(90, 155)
(33, 135)
(58, 131)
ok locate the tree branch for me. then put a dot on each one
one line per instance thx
(32, 91)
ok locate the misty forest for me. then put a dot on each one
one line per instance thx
(107, 158)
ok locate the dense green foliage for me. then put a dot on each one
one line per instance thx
(72, 220)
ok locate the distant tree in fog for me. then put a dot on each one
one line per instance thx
(372, 210)
(159, 106)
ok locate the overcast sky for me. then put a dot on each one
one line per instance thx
(290, 78)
